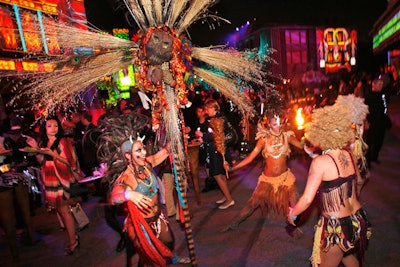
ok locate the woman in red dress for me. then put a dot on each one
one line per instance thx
(57, 159)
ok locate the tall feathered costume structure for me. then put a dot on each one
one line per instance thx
(163, 57)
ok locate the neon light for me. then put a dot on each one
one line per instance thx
(387, 30)
(7, 65)
(46, 49)
(46, 6)
(21, 34)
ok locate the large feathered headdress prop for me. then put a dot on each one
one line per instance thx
(161, 23)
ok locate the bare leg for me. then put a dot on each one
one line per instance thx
(69, 222)
(332, 258)
(245, 213)
(223, 185)
(350, 261)
(22, 198)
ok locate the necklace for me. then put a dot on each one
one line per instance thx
(326, 151)
(276, 143)
(142, 181)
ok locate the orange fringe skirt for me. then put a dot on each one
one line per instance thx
(275, 193)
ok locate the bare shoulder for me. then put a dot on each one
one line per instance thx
(321, 162)
(126, 179)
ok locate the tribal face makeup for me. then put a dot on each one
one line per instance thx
(137, 156)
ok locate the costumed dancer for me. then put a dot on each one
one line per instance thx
(134, 183)
(276, 187)
(358, 111)
(343, 229)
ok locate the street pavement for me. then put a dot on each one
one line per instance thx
(259, 241)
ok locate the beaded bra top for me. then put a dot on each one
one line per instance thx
(275, 146)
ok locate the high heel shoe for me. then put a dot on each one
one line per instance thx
(71, 249)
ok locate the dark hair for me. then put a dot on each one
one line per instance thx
(87, 116)
(43, 139)
(16, 121)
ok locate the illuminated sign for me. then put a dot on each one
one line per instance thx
(387, 30)
(337, 48)
(48, 6)
(26, 65)
(126, 78)
(27, 31)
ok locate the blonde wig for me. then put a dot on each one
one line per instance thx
(330, 127)
(356, 106)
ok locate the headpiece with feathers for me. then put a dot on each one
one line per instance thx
(118, 133)
(74, 71)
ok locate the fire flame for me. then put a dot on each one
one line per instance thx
(299, 119)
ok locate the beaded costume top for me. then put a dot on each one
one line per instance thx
(275, 145)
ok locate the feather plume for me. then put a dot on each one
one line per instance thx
(232, 62)
(175, 11)
(227, 87)
(358, 109)
(148, 10)
(158, 7)
(114, 131)
(195, 10)
(137, 13)
(61, 87)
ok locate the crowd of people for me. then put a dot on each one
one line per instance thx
(69, 145)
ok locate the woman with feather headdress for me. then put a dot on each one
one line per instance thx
(134, 183)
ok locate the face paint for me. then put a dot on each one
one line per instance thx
(138, 154)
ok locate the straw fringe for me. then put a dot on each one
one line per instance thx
(137, 14)
(176, 9)
(148, 10)
(232, 62)
(197, 7)
(60, 87)
(227, 87)
(158, 7)
(73, 37)
(171, 120)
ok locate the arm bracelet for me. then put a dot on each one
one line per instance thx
(126, 194)
(293, 217)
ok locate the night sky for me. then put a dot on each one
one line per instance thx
(357, 14)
